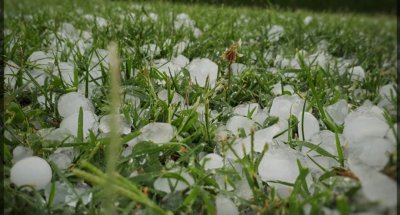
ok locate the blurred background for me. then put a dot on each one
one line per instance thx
(361, 6)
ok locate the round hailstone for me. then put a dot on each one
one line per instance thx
(169, 185)
(361, 125)
(357, 73)
(283, 106)
(20, 153)
(225, 206)
(70, 103)
(124, 127)
(245, 109)
(275, 33)
(310, 125)
(66, 70)
(176, 98)
(338, 111)
(202, 68)
(277, 89)
(212, 161)
(181, 61)
(89, 123)
(32, 171)
(10, 71)
(240, 122)
(238, 68)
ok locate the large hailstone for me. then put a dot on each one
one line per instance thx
(169, 185)
(32, 171)
(90, 122)
(225, 206)
(66, 72)
(240, 122)
(124, 127)
(202, 68)
(181, 61)
(309, 125)
(212, 161)
(41, 60)
(338, 111)
(283, 106)
(70, 103)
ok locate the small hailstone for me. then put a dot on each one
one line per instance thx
(80, 193)
(260, 116)
(31, 171)
(243, 189)
(245, 109)
(277, 89)
(392, 135)
(156, 132)
(275, 33)
(387, 91)
(66, 70)
(150, 50)
(168, 185)
(101, 22)
(237, 122)
(183, 20)
(61, 191)
(176, 98)
(150, 16)
(135, 101)
(68, 31)
(169, 69)
(62, 157)
(283, 106)
(41, 59)
(222, 182)
(238, 68)
(59, 135)
(104, 125)
(197, 32)
(93, 89)
(181, 61)
(212, 161)
(338, 111)
(20, 153)
(357, 73)
(308, 20)
(201, 69)
(310, 125)
(326, 140)
(70, 103)
(10, 71)
(225, 206)
(359, 125)
(89, 123)
(180, 47)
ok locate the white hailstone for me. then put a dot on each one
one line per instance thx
(93, 89)
(104, 125)
(100, 58)
(238, 68)
(308, 20)
(66, 70)
(277, 89)
(183, 20)
(310, 125)
(376, 186)
(39, 76)
(246, 109)
(32, 171)
(70, 103)
(10, 71)
(261, 137)
(283, 106)
(323, 45)
(372, 151)
(21, 152)
(240, 122)
(360, 125)
(260, 116)
(275, 33)
(181, 61)
(89, 123)
(135, 101)
(387, 91)
(41, 60)
(223, 183)
(326, 140)
(61, 191)
(243, 189)
(101, 22)
(202, 68)
(150, 16)
(156, 132)
(68, 31)
(338, 111)
(225, 206)
(150, 50)
(357, 73)
(62, 157)
(212, 161)
(320, 59)
(197, 32)
(201, 109)
(391, 135)
(169, 185)
(176, 98)
(168, 68)
(180, 47)
(81, 192)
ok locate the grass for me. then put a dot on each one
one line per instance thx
(369, 39)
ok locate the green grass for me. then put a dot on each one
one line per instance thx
(369, 39)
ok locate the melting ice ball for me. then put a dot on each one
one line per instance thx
(33, 171)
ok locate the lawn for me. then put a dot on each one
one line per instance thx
(117, 107)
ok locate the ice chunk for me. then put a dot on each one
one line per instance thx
(41, 60)
(124, 127)
(238, 68)
(150, 50)
(169, 68)
(70, 103)
(100, 58)
(59, 135)
(61, 191)
(68, 31)
(357, 73)
(62, 157)
(89, 123)
(237, 122)
(201, 69)
(338, 111)
(275, 33)
(285, 105)
(212, 161)
(362, 125)
(33, 171)
(243, 189)
(21, 152)
(169, 185)
(310, 125)
(325, 139)
(80, 193)
(246, 109)
(180, 47)
(260, 116)
(176, 98)
(376, 186)
(156, 132)
(277, 89)
(66, 72)
(10, 73)
(225, 206)
(392, 135)
(181, 61)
